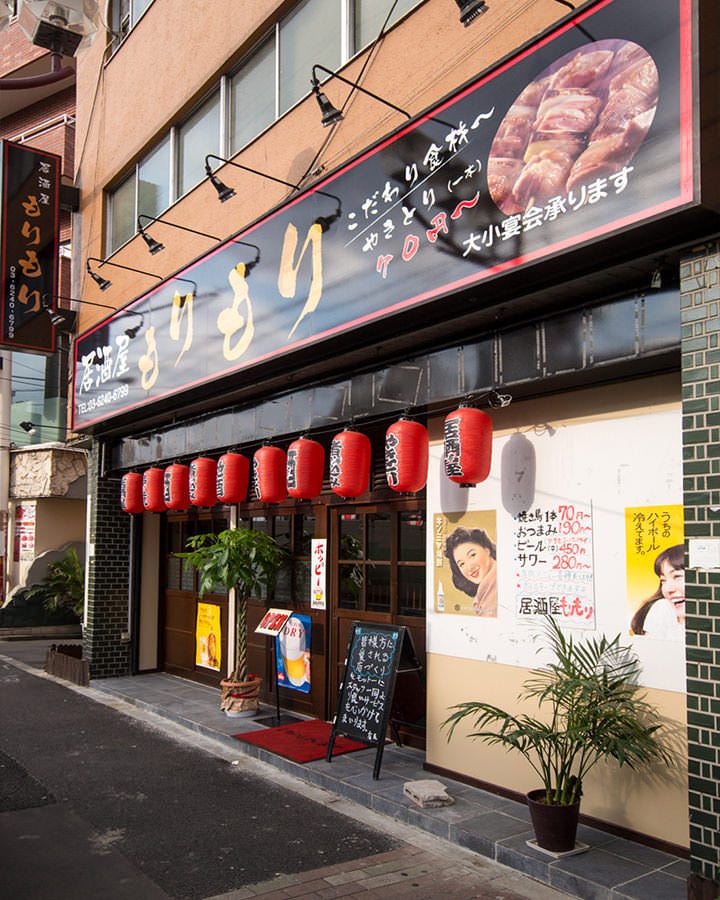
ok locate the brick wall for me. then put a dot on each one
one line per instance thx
(700, 302)
(17, 51)
(108, 578)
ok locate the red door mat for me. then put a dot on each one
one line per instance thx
(301, 741)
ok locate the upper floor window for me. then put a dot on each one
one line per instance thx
(123, 17)
(271, 79)
(252, 105)
(310, 33)
(196, 137)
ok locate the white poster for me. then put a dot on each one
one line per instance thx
(553, 564)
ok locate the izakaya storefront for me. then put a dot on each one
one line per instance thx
(501, 246)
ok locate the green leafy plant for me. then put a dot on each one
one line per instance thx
(595, 711)
(63, 588)
(239, 558)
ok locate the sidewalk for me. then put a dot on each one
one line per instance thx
(493, 826)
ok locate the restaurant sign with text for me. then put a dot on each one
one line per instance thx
(586, 133)
(29, 210)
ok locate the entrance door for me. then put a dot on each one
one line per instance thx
(379, 576)
(191, 646)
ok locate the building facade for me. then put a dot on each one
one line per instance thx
(43, 486)
(369, 211)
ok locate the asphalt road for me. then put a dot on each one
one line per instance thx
(92, 798)
(101, 799)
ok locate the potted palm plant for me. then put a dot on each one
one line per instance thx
(247, 561)
(595, 710)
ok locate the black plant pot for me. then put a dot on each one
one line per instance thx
(555, 825)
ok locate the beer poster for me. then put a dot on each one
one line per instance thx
(292, 652)
(207, 636)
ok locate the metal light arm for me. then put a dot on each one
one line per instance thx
(353, 84)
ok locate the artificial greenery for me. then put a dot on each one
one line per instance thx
(240, 558)
(63, 588)
(596, 711)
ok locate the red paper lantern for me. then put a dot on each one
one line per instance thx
(406, 456)
(305, 463)
(177, 486)
(131, 493)
(468, 446)
(350, 463)
(153, 489)
(269, 479)
(233, 474)
(203, 481)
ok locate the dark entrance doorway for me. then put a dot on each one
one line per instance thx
(180, 652)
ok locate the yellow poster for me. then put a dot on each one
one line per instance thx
(207, 636)
(465, 563)
(655, 554)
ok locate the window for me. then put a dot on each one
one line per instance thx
(270, 80)
(197, 137)
(252, 97)
(146, 191)
(122, 213)
(153, 192)
(124, 15)
(310, 34)
(369, 18)
(293, 533)
(382, 562)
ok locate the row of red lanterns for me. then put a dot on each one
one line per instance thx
(299, 472)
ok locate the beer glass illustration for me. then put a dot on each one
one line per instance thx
(293, 643)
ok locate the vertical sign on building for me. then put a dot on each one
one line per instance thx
(29, 235)
(318, 569)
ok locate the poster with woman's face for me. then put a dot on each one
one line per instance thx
(655, 553)
(465, 563)
(207, 636)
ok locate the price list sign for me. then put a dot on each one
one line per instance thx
(553, 564)
(366, 692)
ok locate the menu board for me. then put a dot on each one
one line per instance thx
(554, 570)
(365, 697)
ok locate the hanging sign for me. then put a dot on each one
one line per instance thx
(29, 229)
(583, 135)
(318, 573)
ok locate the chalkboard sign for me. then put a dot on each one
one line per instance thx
(373, 657)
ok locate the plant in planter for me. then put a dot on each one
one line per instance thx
(246, 560)
(595, 711)
(62, 590)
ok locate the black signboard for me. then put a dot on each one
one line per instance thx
(29, 209)
(375, 654)
(585, 134)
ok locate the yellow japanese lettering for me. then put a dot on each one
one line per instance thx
(149, 362)
(289, 266)
(232, 319)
